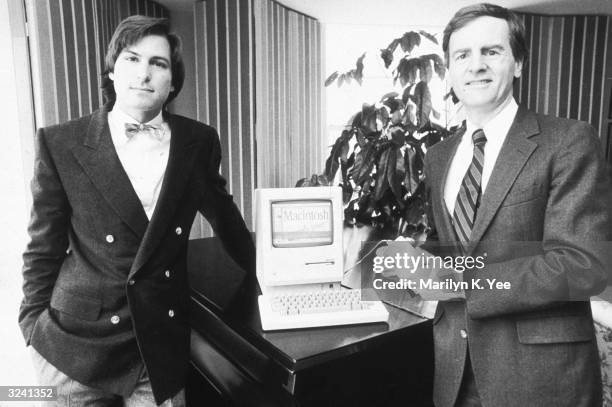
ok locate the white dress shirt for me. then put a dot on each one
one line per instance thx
(495, 131)
(144, 157)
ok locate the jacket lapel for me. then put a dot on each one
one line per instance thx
(99, 160)
(180, 161)
(517, 148)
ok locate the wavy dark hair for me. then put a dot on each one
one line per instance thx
(518, 42)
(130, 31)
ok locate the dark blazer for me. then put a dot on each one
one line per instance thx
(104, 288)
(529, 346)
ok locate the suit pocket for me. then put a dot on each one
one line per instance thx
(523, 193)
(558, 329)
(76, 305)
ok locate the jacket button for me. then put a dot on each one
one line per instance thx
(463, 333)
(110, 238)
(115, 319)
(132, 282)
(171, 313)
(178, 230)
(167, 273)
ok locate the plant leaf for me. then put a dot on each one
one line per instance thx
(422, 100)
(429, 36)
(387, 57)
(397, 135)
(438, 64)
(344, 167)
(322, 180)
(339, 147)
(415, 212)
(406, 94)
(435, 113)
(359, 64)
(409, 117)
(381, 174)
(390, 95)
(382, 114)
(451, 94)
(410, 40)
(364, 163)
(303, 182)
(340, 80)
(387, 53)
(331, 78)
(407, 71)
(357, 76)
(347, 192)
(360, 136)
(396, 117)
(395, 177)
(368, 118)
(411, 180)
(393, 104)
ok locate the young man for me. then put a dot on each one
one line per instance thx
(514, 176)
(114, 196)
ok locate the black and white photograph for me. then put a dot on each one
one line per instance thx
(306, 203)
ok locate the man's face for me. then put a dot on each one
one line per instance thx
(481, 65)
(142, 77)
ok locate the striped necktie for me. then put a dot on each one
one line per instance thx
(468, 198)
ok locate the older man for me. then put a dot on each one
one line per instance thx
(114, 196)
(508, 176)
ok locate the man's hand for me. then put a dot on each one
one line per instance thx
(425, 273)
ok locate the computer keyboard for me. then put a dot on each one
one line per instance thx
(319, 308)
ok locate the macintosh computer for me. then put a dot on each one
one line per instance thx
(300, 261)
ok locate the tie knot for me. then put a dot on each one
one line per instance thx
(479, 138)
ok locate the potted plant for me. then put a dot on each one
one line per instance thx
(380, 153)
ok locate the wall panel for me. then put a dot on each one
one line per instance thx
(266, 105)
(289, 88)
(569, 68)
(224, 75)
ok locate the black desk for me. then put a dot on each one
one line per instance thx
(237, 363)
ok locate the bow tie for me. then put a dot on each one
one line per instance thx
(157, 131)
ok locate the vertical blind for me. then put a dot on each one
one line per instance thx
(258, 79)
(68, 40)
(289, 83)
(566, 69)
(224, 82)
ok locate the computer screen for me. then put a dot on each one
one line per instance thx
(298, 235)
(302, 223)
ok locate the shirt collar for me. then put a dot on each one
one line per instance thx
(498, 126)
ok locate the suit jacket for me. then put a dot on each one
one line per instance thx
(104, 288)
(529, 346)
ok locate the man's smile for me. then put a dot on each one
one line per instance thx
(478, 82)
(143, 89)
